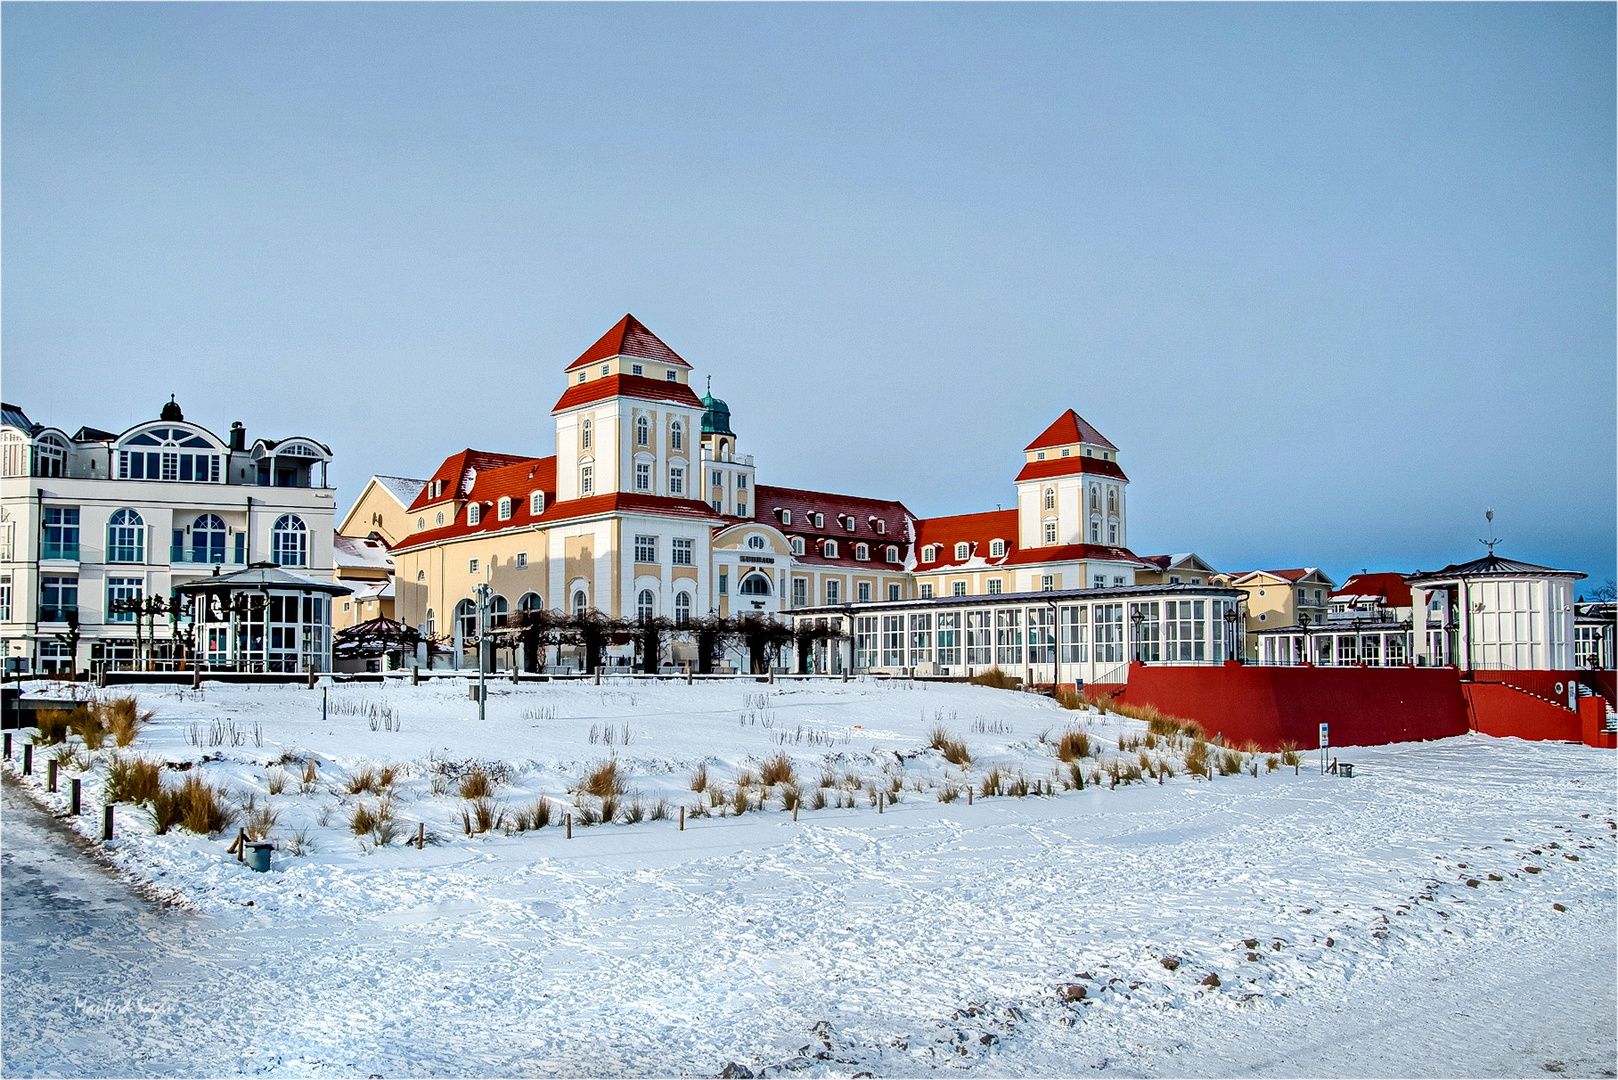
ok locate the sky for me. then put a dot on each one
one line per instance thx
(1335, 278)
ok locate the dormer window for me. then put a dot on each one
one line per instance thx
(892, 554)
(536, 503)
(636, 369)
(1066, 451)
(1040, 456)
(502, 509)
(862, 552)
(474, 513)
(820, 520)
(784, 515)
(929, 553)
(997, 549)
(797, 545)
(848, 522)
(829, 549)
(606, 369)
(881, 526)
(963, 551)
(1089, 452)
(583, 375)
(671, 375)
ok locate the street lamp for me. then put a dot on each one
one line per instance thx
(482, 593)
(1303, 649)
(1232, 649)
(1138, 618)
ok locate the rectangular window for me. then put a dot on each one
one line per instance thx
(471, 566)
(61, 533)
(994, 586)
(1008, 636)
(5, 597)
(741, 481)
(646, 549)
(833, 592)
(1099, 581)
(926, 591)
(671, 375)
(1117, 582)
(587, 479)
(893, 641)
(186, 466)
(958, 589)
(122, 590)
(718, 478)
(643, 476)
(1185, 630)
(682, 548)
(676, 481)
(57, 597)
(1218, 630)
(636, 369)
(865, 641)
(741, 509)
(949, 638)
(1041, 635)
(1047, 582)
(171, 465)
(979, 639)
(1147, 632)
(522, 560)
(862, 592)
(921, 638)
(1108, 620)
(1075, 646)
(894, 591)
(724, 584)
(800, 592)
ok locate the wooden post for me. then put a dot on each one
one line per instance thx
(415, 674)
(106, 822)
(682, 819)
(241, 845)
(50, 776)
(794, 811)
(570, 826)
(311, 678)
(73, 797)
(8, 746)
(28, 759)
(969, 794)
(196, 677)
(421, 834)
(881, 797)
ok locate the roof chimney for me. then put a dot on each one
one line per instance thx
(238, 436)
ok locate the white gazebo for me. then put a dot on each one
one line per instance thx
(262, 619)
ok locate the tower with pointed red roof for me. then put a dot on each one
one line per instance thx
(1071, 489)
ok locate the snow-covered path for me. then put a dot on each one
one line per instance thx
(933, 938)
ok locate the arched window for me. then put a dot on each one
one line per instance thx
(429, 629)
(862, 551)
(797, 545)
(1050, 532)
(289, 541)
(682, 608)
(643, 431)
(892, 554)
(208, 539)
(1095, 497)
(676, 436)
(530, 601)
(502, 509)
(1050, 498)
(645, 604)
(126, 537)
(421, 575)
(466, 619)
(474, 513)
(1095, 530)
(755, 584)
(499, 610)
(580, 602)
(830, 549)
(584, 434)
(536, 503)
(1112, 500)
(997, 549)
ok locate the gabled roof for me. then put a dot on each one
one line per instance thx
(629, 338)
(1390, 588)
(1073, 553)
(898, 524)
(13, 416)
(1169, 562)
(457, 472)
(635, 386)
(619, 503)
(360, 553)
(1069, 428)
(1070, 466)
(403, 489)
(1491, 565)
(974, 529)
(1293, 575)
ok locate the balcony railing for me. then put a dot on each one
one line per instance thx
(58, 613)
(48, 550)
(200, 557)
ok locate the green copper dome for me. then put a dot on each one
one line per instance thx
(715, 417)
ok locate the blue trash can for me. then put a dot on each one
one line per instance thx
(258, 856)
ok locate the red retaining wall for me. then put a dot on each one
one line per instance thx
(1593, 723)
(1499, 708)
(1276, 705)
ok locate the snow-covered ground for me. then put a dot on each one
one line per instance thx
(1278, 924)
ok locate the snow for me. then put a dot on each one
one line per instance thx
(932, 937)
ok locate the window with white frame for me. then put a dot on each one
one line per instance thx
(829, 550)
(586, 429)
(1117, 582)
(926, 590)
(741, 481)
(929, 553)
(671, 375)
(958, 589)
(963, 551)
(681, 549)
(471, 566)
(121, 593)
(522, 560)
(820, 520)
(1112, 531)
(1050, 498)
(865, 641)
(536, 503)
(421, 523)
(5, 597)
(1185, 630)
(1108, 622)
(881, 527)
(997, 549)
(862, 552)
(676, 480)
(643, 431)
(1099, 581)
(717, 478)
(1050, 532)
(643, 476)
(581, 602)
(587, 479)
(289, 541)
(126, 537)
(645, 605)
(636, 369)
(474, 513)
(862, 592)
(1041, 622)
(1007, 636)
(921, 637)
(646, 549)
(502, 509)
(949, 638)
(797, 545)
(682, 608)
(1095, 530)
(1112, 500)
(676, 436)
(800, 592)
(892, 554)
(1047, 582)
(724, 583)
(1075, 643)
(833, 592)
(980, 638)
(893, 640)
(994, 586)
(756, 542)
(895, 591)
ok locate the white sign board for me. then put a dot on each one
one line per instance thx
(1324, 741)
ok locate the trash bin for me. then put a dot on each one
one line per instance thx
(1346, 771)
(258, 855)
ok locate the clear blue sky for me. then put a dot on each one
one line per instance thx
(1334, 277)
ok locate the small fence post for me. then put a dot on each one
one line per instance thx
(794, 810)
(73, 797)
(311, 678)
(682, 819)
(241, 845)
(106, 822)
(421, 834)
(570, 826)
(28, 759)
(8, 746)
(880, 799)
(969, 794)
(415, 674)
(196, 678)
(50, 776)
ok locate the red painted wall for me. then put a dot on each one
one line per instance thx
(1276, 705)
(1501, 709)
(1593, 723)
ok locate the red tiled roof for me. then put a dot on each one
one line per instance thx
(1070, 466)
(1069, 428)
(557, 511)
(453, 472)
(629, 338)
(974, 529)
(897, 523)
(1393, 589)
(635, 386)
(1072, 553)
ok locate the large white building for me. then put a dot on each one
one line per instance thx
(94, 518)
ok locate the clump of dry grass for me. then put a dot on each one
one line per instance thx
(260, 820)
(1073, 745)
(311, 777)
(1070, 699)
(746, 778)
(482, 815)
(699, 779)
(1230, 763)
(1196, 758)
(953, 749)
(791, 797)
(535, 816)
(362, 780)
(1289, 755)
(609, 807)
(632, 813)
(363, 819)
(660, 811)
(476, 784)
(994, 781)
(604, 781)
(818, 801)
(133, 780)
(1076, 771)
(948, 792)
(122, 718)
(275, 781)
(165, 810)
(204, 809)
(388, 774)
(997, 679)
(54, 725)
(739, 802)
(778, 770)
